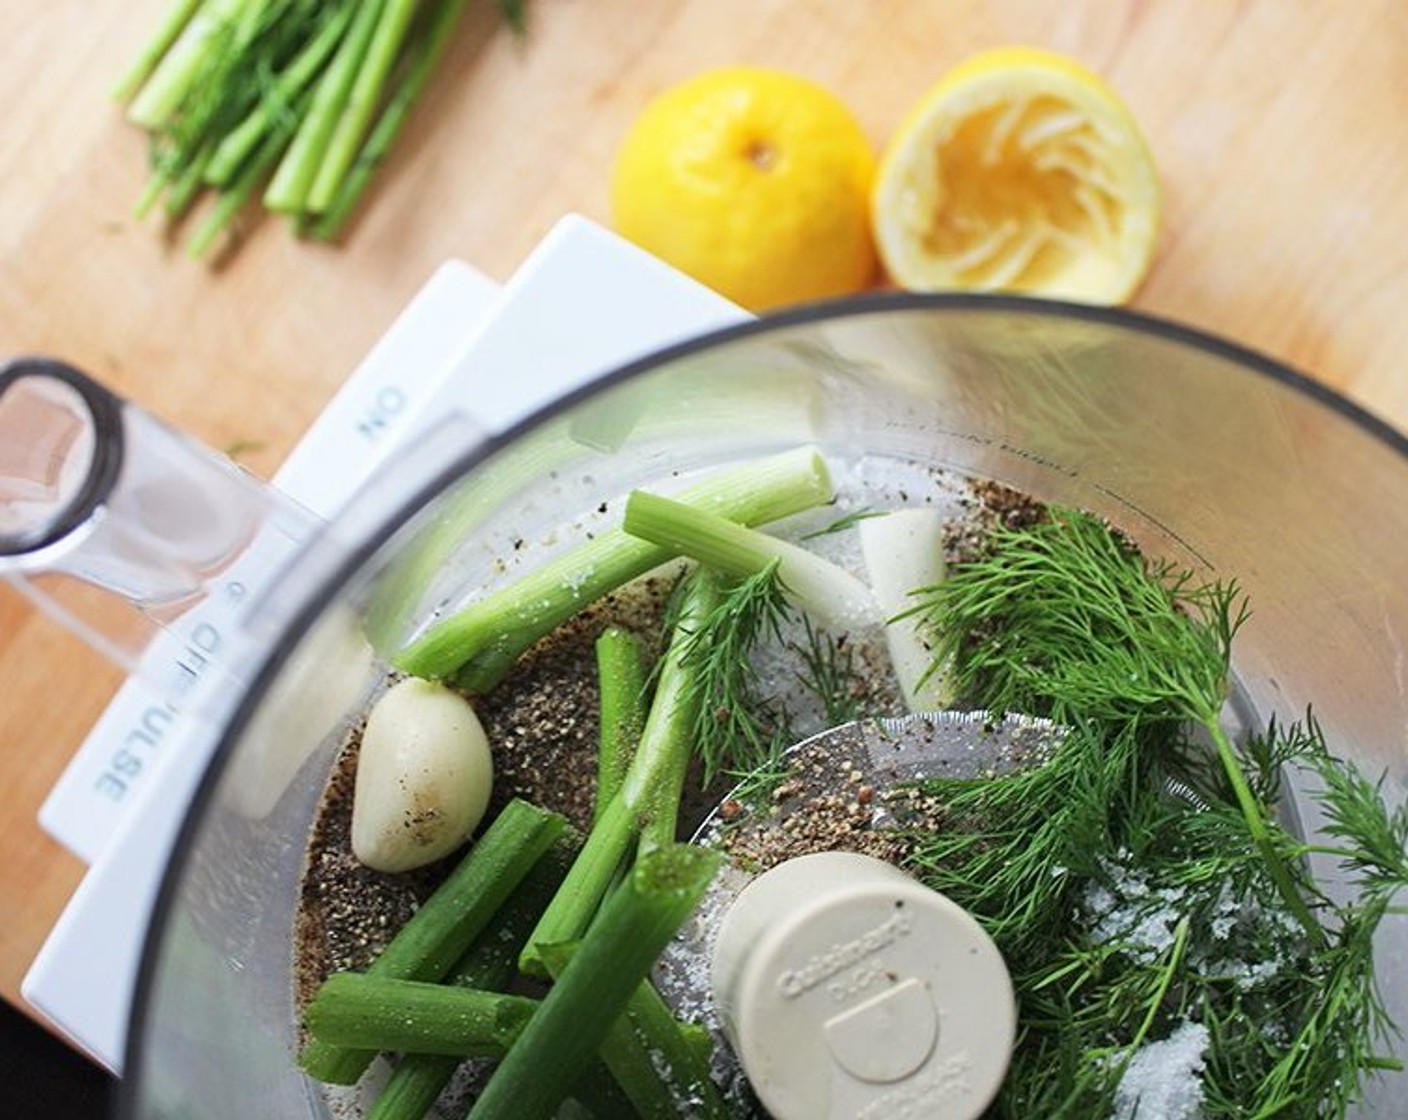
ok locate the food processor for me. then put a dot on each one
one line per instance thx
(1203, 453)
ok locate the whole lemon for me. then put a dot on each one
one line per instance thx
(753, 181)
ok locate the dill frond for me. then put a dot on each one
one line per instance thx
(829, 673)
(1139, 880)
(844, 522)
(737, 730)
(1064, 618)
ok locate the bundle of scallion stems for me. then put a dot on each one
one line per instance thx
(299, 99)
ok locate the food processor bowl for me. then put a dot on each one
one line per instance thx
(1203, 453)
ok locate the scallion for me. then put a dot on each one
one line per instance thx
(491, 963)
(622, 683)
(480, 643)
(438, 934)
(565, 1033)
(650, 1054)
(826, 591)
(646, 807)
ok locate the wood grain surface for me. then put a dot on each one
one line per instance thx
(1277, 124)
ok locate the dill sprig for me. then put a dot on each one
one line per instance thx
(738, 729)
(1124, 921)
(844, 522)
(741, 731)
(1008, 846)
(1138, 881)
(1372, 842)
(1064, 618)
(829, 673)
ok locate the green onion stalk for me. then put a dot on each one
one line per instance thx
(824, 590)
(624, 688)
(440, 932)
(491, 963)
(645, 809)
(565, 1034)
(480, 643)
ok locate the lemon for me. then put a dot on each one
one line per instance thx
(753, 181)
(1019, 171)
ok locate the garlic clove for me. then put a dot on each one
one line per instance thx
(424, 775)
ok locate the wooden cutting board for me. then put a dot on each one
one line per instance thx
(1278, 126)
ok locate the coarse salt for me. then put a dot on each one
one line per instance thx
(1162, 1079)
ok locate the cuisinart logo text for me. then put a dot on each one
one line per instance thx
(816, 970)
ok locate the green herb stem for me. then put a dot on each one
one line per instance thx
(292, 182)
(1148, 827)
(439, 933)
(683, 1050)
(736, 729)
(1170, 970)
(564, 1035)
(362, 101)
(830, 674)
(1255, 816)
(428, 1021)
(220, 76)
(181, 191)
(358, 1011)
(490, 964)
(177, 16)
(277, 106)
(234, 197)
(592, 873)
(426, 50)
(182, 63)
(650, 1054)
(654, 782)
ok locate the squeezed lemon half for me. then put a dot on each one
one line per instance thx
(1019, 171)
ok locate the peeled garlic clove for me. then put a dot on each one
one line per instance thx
(423, 777)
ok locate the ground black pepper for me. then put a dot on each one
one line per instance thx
(542, 724)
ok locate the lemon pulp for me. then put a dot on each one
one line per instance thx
(1019, 172)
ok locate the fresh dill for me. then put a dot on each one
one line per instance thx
(1064, 618)
(742, 731)
(738, 729)
(311, 92)
(1138, 880)
(829, 673)
(844, 522)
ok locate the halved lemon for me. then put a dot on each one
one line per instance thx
(1019, 171)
